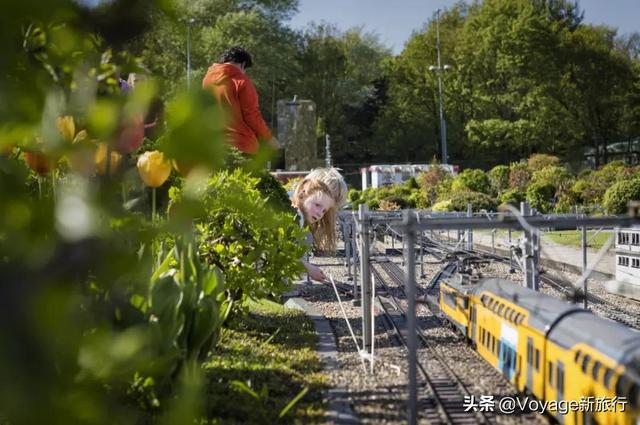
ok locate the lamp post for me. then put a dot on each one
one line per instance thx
(438, 70)
(189, 23)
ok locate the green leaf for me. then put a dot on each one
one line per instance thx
(293, 402)
(241, 386)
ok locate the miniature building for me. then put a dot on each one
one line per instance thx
(627, 281)
(384, 175)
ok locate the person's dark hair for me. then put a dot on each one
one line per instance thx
(238, 55)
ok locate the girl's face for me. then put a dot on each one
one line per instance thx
(315, 206)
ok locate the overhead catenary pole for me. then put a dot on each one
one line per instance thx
(327, 158)
(438, 70)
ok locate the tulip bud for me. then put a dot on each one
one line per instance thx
(153, 168)
(101, 160)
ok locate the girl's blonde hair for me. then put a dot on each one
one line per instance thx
(334, 181)
(324, 230)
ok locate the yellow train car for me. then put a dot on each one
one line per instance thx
(552, 349)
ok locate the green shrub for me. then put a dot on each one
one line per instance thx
(373, 204)
(512, 197)
(418, 199)
(411, 184)
(353, 195)
(618, 196)
(291, 184)
(519, 176)
(442, 206)
(499, 178)
(273, 191)
(400, 201)
(472, 180)
(538, 161)
(434, 182)
(257, 247)
(558, 177)
(539, 196)
(479, 201)
(565, 203)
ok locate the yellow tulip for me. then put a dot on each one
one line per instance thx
(67, 127)
(153, 168)
(101, 159)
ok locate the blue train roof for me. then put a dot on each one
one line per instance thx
(543, 309)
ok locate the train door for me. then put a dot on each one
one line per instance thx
(507, 362)
(560, 387)
(530, 363)
(472, 325)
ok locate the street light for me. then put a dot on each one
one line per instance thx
(190, 22)
(438, 70)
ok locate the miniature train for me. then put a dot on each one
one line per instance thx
(549, 348)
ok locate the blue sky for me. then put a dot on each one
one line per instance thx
(394, 21)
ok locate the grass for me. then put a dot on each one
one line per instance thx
(574, 238)
(262, 362)
(564, 237)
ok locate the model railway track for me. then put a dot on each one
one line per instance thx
(445, 403)
(605, 308)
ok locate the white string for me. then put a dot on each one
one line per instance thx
(344, 313)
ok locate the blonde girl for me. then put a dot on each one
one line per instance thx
(317, 199)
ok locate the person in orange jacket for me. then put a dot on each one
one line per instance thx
(237, 95)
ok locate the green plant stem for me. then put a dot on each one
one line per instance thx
(53, 184)
(153, 205)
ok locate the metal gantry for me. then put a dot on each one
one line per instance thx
(408, 224)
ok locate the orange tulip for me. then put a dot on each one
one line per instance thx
(101, 160)
(153, 168)
(39, 162)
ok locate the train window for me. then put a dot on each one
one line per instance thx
(500, 308)
(585, 362)
(560, 380)
(634, 396)
(608, 374)
(529, 351)
(507, 311)
(577, 358)
(621, 386)
(538, 360)
(519, 362)
(550, 366)
(595, 370)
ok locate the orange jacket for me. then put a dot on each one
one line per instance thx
(237, 95)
